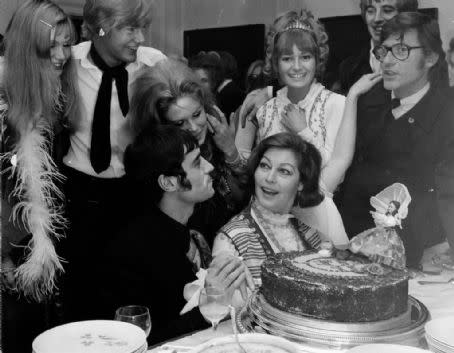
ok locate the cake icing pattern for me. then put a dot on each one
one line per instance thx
(310, 284)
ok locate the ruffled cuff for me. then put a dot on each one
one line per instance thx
(307, 135)
(191, 291)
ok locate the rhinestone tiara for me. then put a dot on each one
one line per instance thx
(297, 25)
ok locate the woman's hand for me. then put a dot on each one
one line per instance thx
(7, 271)
(253, 101)
(293, 118)
(364, 84)
(229, 273)
(223, 133)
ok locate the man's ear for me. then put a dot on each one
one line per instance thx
(168, 183)
(431, 59)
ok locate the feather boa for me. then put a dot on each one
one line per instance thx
(39, 209)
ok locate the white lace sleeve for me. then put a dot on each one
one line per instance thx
(223, 245)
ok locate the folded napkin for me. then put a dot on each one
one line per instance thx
(191, 291)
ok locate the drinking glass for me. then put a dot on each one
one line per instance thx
(135, 314)
(214, 304)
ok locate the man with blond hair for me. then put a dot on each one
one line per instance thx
(95, 189)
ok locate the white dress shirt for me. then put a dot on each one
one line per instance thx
(409, 102)
(89, 79)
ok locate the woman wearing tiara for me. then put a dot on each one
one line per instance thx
(304, 106)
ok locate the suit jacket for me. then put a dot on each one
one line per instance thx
(352, 68)
(229, 98)
(417, 150)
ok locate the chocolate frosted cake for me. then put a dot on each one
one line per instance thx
(310, 284)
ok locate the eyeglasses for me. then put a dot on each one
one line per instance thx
(400, 51)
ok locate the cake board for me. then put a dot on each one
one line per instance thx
(315, 335)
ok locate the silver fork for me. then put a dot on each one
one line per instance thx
(235, 330)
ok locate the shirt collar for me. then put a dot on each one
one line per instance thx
(373, 62)
(314, 90)
(223, 84)
(415, 97)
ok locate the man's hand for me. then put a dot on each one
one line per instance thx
(253, 101)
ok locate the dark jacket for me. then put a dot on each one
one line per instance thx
(146, 264)
(417, 150)
(229, 98)
(352, 68)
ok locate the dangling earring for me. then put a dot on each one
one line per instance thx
(101, 32)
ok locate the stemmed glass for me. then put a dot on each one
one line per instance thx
(135, 314)
(214, 304)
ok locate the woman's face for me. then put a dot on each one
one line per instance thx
(188, 114)
(297, 69)
(277, 180)
(60, 49)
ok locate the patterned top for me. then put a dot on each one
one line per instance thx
(256, 234)
(323, 108)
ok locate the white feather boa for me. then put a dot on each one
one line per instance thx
(39, 209)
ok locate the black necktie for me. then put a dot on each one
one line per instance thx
(100, 151)
(395, 102)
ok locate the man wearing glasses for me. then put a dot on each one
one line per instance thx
(375, 14)
(405, 134)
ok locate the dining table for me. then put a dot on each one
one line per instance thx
(437, 297)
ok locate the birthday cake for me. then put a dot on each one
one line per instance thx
(325, 287)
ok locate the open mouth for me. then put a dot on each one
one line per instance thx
(297, 76)
(268, 192)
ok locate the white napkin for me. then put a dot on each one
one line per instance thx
(191, 291)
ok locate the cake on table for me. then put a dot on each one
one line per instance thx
(321, 286)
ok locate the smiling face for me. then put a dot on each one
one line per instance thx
(60, 48)
(406, 77)
(297, 69)
(198, 172)
(277, 180)
(120, 45)
(376, 13)
(188, 114)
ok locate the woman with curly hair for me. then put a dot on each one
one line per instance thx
(299, 52)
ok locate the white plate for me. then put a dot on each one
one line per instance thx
(386, 348)
(95, 336)
(441, 330)
(272, 343)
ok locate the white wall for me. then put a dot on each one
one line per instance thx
(172, 17)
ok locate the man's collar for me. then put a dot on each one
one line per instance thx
(415, 97)
(81, 51)
(223, 84)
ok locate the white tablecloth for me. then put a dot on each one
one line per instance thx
(438, 298)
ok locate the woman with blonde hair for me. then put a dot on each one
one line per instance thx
(37, 100)
(171, 93)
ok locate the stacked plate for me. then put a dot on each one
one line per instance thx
(97, 336)
(388, 348)
(440, 335)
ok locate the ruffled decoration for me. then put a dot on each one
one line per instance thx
(39, 209)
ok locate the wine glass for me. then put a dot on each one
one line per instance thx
(214, 304)
(135, 314)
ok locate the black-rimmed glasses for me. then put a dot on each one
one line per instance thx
(399, 50)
